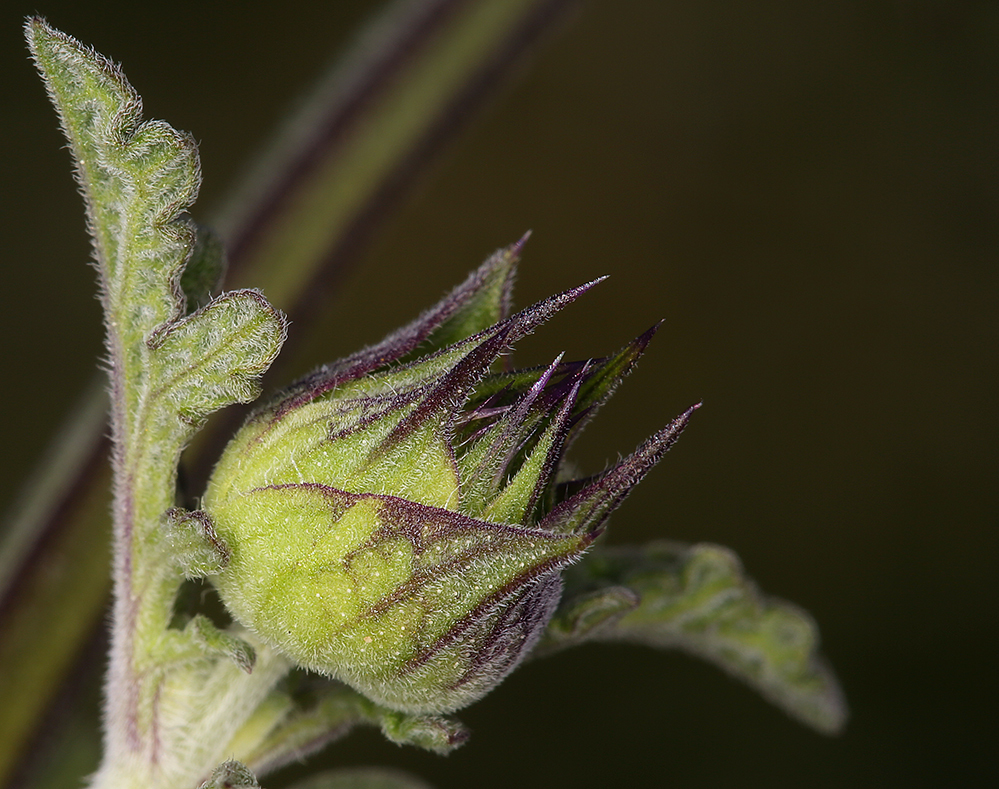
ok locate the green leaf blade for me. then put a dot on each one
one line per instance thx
(698, 599)
(137, 179)
(213, 357)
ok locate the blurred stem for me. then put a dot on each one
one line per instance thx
(65, 587)
(348, 179)
(331, 177)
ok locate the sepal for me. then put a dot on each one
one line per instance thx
(515, 503)
(484, 464)
(586, 510)
(483, 300)
(603, 377)
(353, 377)
(421, 608)
(485, 292)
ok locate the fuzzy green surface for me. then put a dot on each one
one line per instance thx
(385, 595)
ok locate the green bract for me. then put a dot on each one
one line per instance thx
(396, 520)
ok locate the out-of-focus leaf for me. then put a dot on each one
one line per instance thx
(582, 617)
(697, 598)
(205, 269)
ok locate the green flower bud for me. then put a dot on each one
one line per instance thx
(394, 520)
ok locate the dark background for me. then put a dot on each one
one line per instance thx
(806, 192)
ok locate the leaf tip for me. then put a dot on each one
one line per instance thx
(515, 248)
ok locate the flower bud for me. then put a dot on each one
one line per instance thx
(394, 520)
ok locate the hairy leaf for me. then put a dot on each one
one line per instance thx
(436, 733)
(167, 372)
(137, 177)
(214, 357)
(203, 274)
(221, 642)
(193, 544)
(698, 599)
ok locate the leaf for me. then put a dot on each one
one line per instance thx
(219, 642)
(205, 270)
(362, 778)
(698, 599)
(167, 373)
(582, 618)
(214, 357)
(435, 733)
(137, 177)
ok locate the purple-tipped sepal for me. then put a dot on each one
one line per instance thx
(395, 518)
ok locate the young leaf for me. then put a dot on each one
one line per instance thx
(214, 357)
(203, 274)
(436, 733)
(167, 373)
(698, 599)
(193, 544)
(137, 177)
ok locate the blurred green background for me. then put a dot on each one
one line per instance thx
(806, 192)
